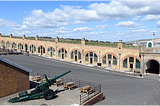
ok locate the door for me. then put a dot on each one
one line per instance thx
(51, 54)
(75, 58)
(62, 56)
(91, 60)
(131, 67)
(109, 63)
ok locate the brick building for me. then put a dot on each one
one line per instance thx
(13, 77)
(119, 56)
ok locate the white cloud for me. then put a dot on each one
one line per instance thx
(113, 10)
(151, 18)
(7, 23)
(83, 29)
(139, 30)
(134, 4)
(136, 17)
(63, 28)
(61, 32)
(158, 24)
(102, 26)
(127, 24)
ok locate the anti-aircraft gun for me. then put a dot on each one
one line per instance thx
(39, 91)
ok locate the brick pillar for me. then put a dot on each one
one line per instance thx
(10, 35)
(37, 37)
(120, 44)
(56, 39)
(24, 37)
(83, 42)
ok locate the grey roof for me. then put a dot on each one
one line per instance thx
(15, 65)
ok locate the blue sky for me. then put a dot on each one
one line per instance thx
(94, 20)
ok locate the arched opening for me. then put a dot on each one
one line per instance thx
(152, 67)
(41, 50)
(51, 51)
(91, 57)
(62, 53)
(76, 55)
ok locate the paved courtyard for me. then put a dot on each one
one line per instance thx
(117, 89)
(63, 97)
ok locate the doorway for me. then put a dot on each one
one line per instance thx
(62, 56)
(131, 67)
(75, 58)
(109, 63)
(91, 60)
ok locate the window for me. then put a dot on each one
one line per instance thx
(109, 56)
(95, 57)
(34, 49)
(114, 60)
(62, 50)
(59, 53)
(131, 59)
(30, 48)
(125, 63)
(75, 52)
(91, 54)
(26, 47)
(86, 57)
(72, 55)
(79, 55)
(43, 50)
(138, 64)
(48, 51)
(104, 60)
(39, 50)
(54, 52)
(65, 53)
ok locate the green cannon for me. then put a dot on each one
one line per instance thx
(41, 90)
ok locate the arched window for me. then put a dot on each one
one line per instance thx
(114, 60)
(20, 46)
(95, 57)
(79, 55)
(65, 53)
(59, 53)
(125, 63)
(26, 47)
(51, 51)
(2, 44)
(14, 46)
(72, 55)
(138, 64)
(104, 60)
(86, 57)
(7, 45)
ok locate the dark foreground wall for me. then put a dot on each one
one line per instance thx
(12, 79)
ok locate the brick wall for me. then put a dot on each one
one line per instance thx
(94, 100)
(12, 80)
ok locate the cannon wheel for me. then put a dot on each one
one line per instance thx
(48, 94)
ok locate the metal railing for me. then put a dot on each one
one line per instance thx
(79, 83)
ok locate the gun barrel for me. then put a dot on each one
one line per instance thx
(53, 79)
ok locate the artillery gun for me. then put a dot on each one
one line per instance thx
(39, 91)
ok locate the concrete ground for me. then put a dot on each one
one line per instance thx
(63, 97)
(118, 89)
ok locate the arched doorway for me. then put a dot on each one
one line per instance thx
(152, 67)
